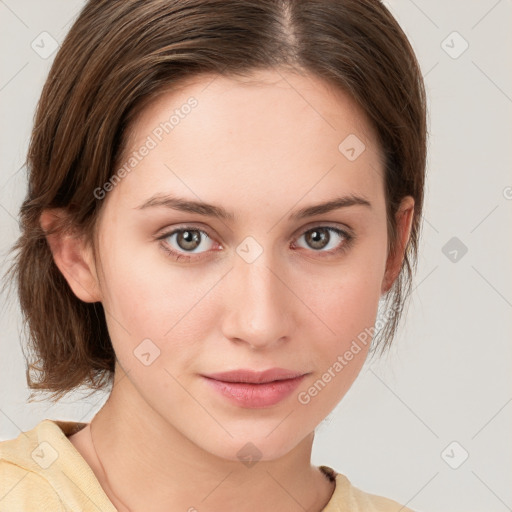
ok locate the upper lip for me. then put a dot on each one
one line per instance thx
(255, 377)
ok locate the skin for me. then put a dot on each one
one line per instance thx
(261, 148)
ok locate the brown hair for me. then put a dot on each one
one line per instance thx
(117, 56)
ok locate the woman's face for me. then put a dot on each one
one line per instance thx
(269, 283)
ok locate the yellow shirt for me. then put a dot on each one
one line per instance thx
(41, 471)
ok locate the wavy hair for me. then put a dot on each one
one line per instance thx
(120, 54)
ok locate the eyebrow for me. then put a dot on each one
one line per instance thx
(211, 210)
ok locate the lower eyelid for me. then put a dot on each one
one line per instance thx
(348, 238)
(204, 234)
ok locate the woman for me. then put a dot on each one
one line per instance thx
(220, 195)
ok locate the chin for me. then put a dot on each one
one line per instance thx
(253, 447)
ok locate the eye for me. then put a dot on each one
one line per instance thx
(185, 240)
(322, 237)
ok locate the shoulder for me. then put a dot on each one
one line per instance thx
(41, 471)
(22, 486)
(347, 496)
(367, 501)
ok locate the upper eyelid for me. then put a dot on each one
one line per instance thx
(326, 224)
(302, 230)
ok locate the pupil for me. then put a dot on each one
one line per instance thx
(317, 235)
(190, 238)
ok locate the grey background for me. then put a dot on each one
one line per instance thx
(448, 376)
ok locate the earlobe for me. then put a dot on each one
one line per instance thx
(404, 217)
(72, 257)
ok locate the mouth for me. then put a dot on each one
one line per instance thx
(255, 377)
(250, 389)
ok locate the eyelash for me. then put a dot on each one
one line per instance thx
(178, 256)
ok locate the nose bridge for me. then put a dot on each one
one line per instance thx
(258, 304)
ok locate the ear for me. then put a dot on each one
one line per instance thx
(404, 217)
(73, 258)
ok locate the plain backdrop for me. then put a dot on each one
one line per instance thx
(428, 424)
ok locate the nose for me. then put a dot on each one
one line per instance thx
(258, 304)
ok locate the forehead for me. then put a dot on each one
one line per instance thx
(271, 135)
(234, 103)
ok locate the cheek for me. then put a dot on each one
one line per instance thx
(345, 300)
(339, 340)
(347, 308)
(148, 299)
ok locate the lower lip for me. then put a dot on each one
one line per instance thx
(256, 395)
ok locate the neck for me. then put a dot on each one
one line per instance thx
(143, 462)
